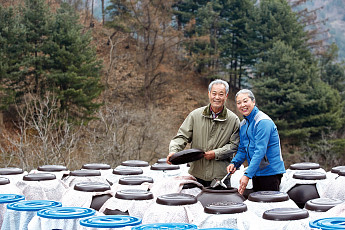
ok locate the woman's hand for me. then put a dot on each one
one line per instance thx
(243, 184)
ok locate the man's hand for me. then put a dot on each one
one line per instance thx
(243, 184)
(210, 155)
(168, 158)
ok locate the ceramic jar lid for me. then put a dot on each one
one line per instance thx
(341, 172)
(164, 166)
(309, 175)
(85, 173)
(128, 171)
(91, 187)
(39, 177)
(162, 160)
(187, 155)
(134, 194)
(4, 181)
(96, 166)
(283, 214)
(225, 208)
(10, 171)
(135, 180)
(66, 213)
(322, 204)
(174, 199)
(336, 169)
(115, 221)
(52, 168)
(135, 163)
(268, 196)
(304, 166)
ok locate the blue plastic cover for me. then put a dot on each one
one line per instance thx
(165, 226)
(10, 198)
(330, 223)
(66, 212)
(33, 205)
(110, 221)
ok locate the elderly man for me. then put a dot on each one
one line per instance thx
(215, 130)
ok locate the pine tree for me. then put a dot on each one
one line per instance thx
(74, 71)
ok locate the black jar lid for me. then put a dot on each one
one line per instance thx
(219, 190)
(174, 199)
(85, 173)
(283, 214)
(135, 163)
(304, 166)
(336, 169)
(11, 171)
(52, 168)
(96, 166)
(164, 166)
(127, 171)
(134, 194)
(162, 160)
(186, 156)
(322, 204)
(309, 175)
(268, 196)
(135, 180)
(91, 187)
(341, 172)
(4, 181)
(225, 208)
(39, 177)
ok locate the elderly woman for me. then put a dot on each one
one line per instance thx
(259, 145)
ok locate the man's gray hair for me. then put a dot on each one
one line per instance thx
(246, 91)
(219, 81)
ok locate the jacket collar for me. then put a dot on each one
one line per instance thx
(208, 113)
(251, 116)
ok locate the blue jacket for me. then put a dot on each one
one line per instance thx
(260, 145)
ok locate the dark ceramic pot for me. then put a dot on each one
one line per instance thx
(209, 195)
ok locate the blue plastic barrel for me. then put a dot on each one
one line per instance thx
(66, 213)
(110, 221)
(33, 205)
(331, 223)
(165, 226)
(10, 198)
(218, 229)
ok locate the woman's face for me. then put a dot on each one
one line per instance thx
(244, 103)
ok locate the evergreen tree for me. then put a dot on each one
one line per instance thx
(294, 97)
(74, 71)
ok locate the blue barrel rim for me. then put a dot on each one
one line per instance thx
(10, 198)
(66, 212)
(166, 225)
(330, 223)
(110, 221)
(33, 205)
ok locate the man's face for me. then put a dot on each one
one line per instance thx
(217, 97)
(244, 103)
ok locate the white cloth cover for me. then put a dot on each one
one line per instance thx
(336, 211)
(258, 208)
(75, 198)
(172, 185)
(17, 220)
(10, 188)
(70, 181)
(158, 213)
(16, 177)
(334, 188)
(242, 221)
(135, 208)
(42, 190)
(263, 224)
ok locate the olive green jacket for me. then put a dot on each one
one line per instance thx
(203, 132)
